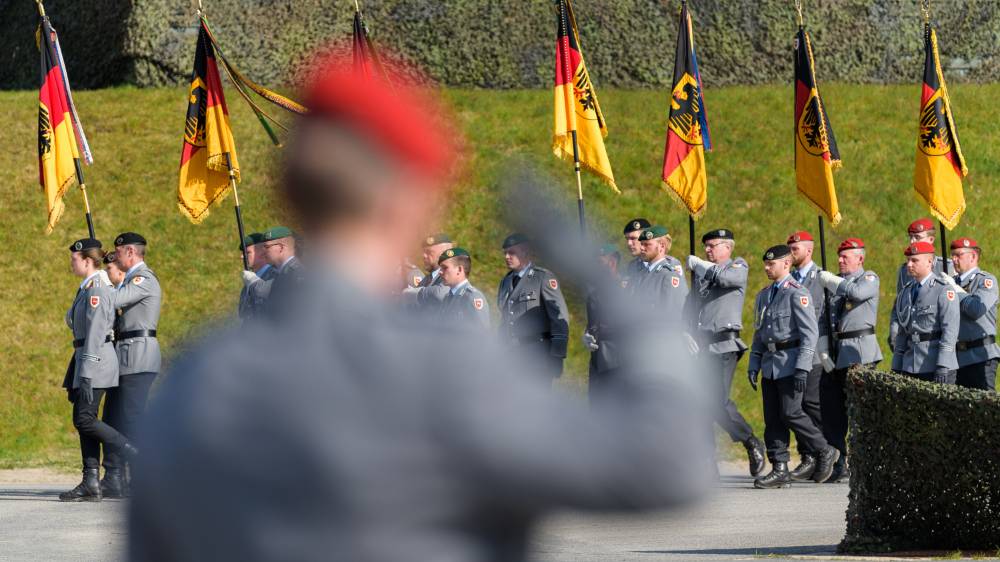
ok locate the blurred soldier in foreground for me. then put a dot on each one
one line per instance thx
(353, 434)
(854, 313)
(783, 347)
(720, 286)
(464, 306)
(253, 297)
(600, 333)
(925, 320)
(636, 266)
(805, 273)
(976, 349)
(534, 319)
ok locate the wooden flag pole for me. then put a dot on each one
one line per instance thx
(239, 214)
(579, 186)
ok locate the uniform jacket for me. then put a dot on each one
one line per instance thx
(717, 302)
(139, 299)
(91, 318)
(465, 308)
(818, 294)
(413, 276)
(935, 311)
(286, 283)
(602, 326)
(788, 317)
(855, 307)
(432, 294)
(633, 270)
(253, 297)
(978, 317)
(430, 280)
(534, 310)
(662, 291)
(903, 278)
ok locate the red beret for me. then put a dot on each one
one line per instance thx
(918, 248)
(920, 225)
(403, 119)
(800, 236)
(964, 243)
(851, 244)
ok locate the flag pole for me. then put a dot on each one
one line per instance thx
(691, 241)
(579, 186)
(831, 345)
(239, 214)
(86, 200)
(944, 248)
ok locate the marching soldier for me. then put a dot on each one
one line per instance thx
(976, 349)
(921, 230)
(111, 269)
(253, 297)
(138, 298)
(805, 273)
(434, 246)
(464, 305)
(926, 321)
(783, 347)
(636, 266)
(93, 370)
(854, 313)
(661, 286)
(533, 314)
(599, 335)
(720, 286)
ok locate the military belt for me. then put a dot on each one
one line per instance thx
(854, 334)
(725, 335)
(135, 334)
(925, 337)
(783, 345)
(972, 344)
(79, 343)
(524, 340)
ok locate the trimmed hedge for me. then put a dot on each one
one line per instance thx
(474, 43)
(925, 466)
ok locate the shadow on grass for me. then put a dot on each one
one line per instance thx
(824, 549)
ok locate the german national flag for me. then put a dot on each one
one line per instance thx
(684, 172)
(577, 113)
(816, 153)
(57, 148)
(940, 164)
(208, 138)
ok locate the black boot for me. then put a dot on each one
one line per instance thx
(112, 485)
(89, 490)
(805, 470)
(755, 454)
(824, 464)
(840, 472)
(779, 477)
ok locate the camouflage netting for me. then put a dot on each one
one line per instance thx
(925, 466)
(472, 43)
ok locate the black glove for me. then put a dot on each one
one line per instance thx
(86, 390)
(801, 377)
(942, 375)
(71, 395)
(752, 377)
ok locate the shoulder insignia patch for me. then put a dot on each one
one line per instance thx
(950, 295)
(675, 282)
(95, 301)
(988, 283)
(804, 301)
(869, 277)
(738, 264)
(138, 279)
(553, 284)
(477, 304)
(679, 269)
(417, 280)
(793, 283)
(90, 284)
(848, 305)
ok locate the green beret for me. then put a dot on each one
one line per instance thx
(252, 239)
(452, 253)
(609, 250)
(654, 232)
(514, 239)
(276, 232)
(439, 238)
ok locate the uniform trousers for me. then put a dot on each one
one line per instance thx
(783, 412)
(124, 409)
(978, 375)
(833, 400)
(93, 431)
(811, 405)
(728, 417)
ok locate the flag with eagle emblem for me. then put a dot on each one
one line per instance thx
(940, 164)
(816, 153)
(208, 138)
(57, 141)
(577, 113)
(684, 173)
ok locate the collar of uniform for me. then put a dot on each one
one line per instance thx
(460, 288)
(89, 277)
(805, 269)
(855, 275)
(134, 268)
(652, 265)
(781, 282)
(525, 271)
(924, 281)
(965, 276)
(260, 272)
(284, 265)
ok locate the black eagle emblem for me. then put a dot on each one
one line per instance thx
(685, 107)
(194, 124)
(44, 131)
(935, 138)
(812, 133)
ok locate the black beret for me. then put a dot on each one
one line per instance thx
(129, 238)
(514, 239)
(439, 238)
(636, 224)
(777, 252)
(720, 234)
(85, 244)
(109, 258)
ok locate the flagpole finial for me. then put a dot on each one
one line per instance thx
(798, 10)
(201, 10)
(357, 6)
(925, 11)
(41, 8)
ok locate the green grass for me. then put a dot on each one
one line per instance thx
(136, 137)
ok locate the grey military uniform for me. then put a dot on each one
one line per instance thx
(253, 297)
(139, 299)
(927, 328)
(786, 331)
(662, 290)
(903, 278)
(633, 270)
(817, 293)
(464, 307)
(534, 312)
(854, 311)
(413, 276)
(91, 318)
(978, 324)
(432, 293)
(719, 295)
(431, 280)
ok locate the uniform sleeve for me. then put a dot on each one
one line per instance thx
(483, 315)
(259, 290)
(733, 275)
(558, 314)
(861, 290)
(805, 320)
(951, 316)
(432, 295)
(757, 345)
(132, 292)
(894, 330)
(983, 299)
(99, 324)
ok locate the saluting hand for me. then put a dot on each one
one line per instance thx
(830, 281)
(249, 278)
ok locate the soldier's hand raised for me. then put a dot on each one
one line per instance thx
(830, 281)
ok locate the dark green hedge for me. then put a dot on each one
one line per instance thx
(925, 466)
(477, 43)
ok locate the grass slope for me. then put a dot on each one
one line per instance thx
(136, 137)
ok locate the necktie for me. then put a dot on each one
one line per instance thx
(515, 281)
(914, 292)
(774, 291)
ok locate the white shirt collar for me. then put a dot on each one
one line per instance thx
(132, 269)
(524, 271)
(804, 270)
(458, 288)
(89, 277)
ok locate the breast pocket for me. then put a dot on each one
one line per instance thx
(781, 323)
(925, 318)
(525, 302)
